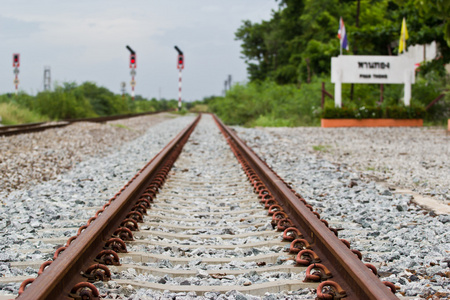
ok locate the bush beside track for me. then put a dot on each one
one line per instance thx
(71, 101)
(270, 104)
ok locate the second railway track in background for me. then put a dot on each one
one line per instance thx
(10, 130)
(205, 223)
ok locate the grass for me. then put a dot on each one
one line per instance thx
(321, 148)
(180, 113)
(199, 108)
(12, 114)
(121, 126)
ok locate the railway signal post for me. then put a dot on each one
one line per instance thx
(133, 70)
(180, 66)
(16, 64)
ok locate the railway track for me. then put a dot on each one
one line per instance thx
(203, 223)
(41, 126)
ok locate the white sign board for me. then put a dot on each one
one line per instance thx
(374, 69)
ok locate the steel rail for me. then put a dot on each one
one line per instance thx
(8, 127)
(347, 270)
(42, 126)
(112, 118)
(64, 272)
(28, 128)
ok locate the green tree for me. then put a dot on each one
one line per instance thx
(299, 40)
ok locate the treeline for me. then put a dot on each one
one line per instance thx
(289, 56)
(300, 39)
(72, 101)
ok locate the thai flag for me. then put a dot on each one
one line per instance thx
(342, 35)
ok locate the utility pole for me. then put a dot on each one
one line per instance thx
(47, 79)
(180, 66)
(227, 83)
(123, 86)
(133, 70)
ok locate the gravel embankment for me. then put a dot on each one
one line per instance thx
(65, 202)
(409, 245)
(408, 157)
(35, 157)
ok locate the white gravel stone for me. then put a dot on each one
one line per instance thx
(409, 157)
(65, 201)
(392, 232)
(407, 244)
(27, 159)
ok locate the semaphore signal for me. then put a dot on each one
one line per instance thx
(133, 59)
(180, 66)
(16, 64)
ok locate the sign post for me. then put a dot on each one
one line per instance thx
(374, 69)
(16, 64)
(180, 66)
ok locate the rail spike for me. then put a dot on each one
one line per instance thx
(108, 257)
(97, 272)
(330, 290)
(391, 286)
(85, 291)
(291, 233)
(284, 223)
(307, 257)
(320, 273)
(43, 266)
(298, 245)
(117, 245)
(24, 285)
(124, 234)
(130, 224)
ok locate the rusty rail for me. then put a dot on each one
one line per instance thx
(41, 126)
(64, 274)
(355, 278)
(27, 128)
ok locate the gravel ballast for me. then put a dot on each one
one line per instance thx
(31, 158)
(407, 157)
(65, 201)
(409, 245)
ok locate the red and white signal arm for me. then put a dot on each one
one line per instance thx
(16, 59)
(180, 61)
(133, 61)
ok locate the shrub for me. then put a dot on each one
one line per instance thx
(12, 113)
(375, 112)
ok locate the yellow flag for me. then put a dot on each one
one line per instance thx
(403, 37)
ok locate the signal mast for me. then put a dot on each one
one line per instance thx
(16, 64)
(133, 70)
(180, 66)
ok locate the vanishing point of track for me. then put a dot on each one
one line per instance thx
(183, 212)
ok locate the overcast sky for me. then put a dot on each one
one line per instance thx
(84, 40)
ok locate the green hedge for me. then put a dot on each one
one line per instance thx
(375, 112)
